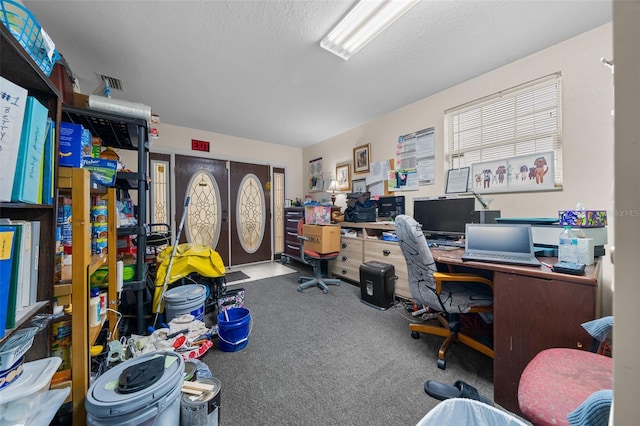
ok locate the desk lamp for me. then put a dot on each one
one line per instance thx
(333, 189)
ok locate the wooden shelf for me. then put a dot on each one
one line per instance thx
(24, 316)
(17, 66)
(95, 331)
(97, 262)
(76, 277)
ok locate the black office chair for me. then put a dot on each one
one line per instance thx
(448, 294)
(319, 262)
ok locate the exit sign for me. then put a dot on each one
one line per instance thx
(197, 145)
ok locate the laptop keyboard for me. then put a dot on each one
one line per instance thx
(495, 256)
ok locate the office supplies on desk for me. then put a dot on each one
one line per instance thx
(500, 243)
(572, 268)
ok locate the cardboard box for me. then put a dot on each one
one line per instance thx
(583, 218)
(322, 238)
(315, 214)
(71, 144)
(103, 172)
(80, 100)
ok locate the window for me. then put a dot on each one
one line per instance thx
(523, 120)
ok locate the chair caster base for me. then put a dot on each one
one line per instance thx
(415, 334)
(442, 364)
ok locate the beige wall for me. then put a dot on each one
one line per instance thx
(177, 140)
(587, 90)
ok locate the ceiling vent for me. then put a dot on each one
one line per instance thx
(114, 83)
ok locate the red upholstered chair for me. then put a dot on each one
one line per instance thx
(319, 262)
(559, 382)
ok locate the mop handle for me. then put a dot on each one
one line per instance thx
(173, 252)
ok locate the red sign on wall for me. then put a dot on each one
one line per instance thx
(197, 145)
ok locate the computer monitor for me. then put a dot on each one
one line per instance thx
(390, 207)
(445, 217)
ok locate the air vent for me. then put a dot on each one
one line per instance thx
(114, 83)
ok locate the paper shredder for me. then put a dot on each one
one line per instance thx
(377, 284)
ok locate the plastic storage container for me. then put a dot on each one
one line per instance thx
(568, 245)
(185, 299)
(26, 29)
(140, 391)
(21, 399)
(94, 308)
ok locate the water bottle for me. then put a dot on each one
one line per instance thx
(568, 246)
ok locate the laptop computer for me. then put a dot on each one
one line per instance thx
(500, 243)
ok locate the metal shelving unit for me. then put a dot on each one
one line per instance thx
(129, 133)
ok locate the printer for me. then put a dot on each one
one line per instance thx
(546, 236)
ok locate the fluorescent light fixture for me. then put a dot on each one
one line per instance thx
(363, 23)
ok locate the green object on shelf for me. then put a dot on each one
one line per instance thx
(99, 277)
(128, 273)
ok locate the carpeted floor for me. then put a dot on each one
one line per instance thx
(328, 359)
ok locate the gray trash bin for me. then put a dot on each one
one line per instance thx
(469, 412)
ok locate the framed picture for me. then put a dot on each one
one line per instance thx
(359, 185)
(458, 180)
(343, 177)
(361, 158)
(533, 172)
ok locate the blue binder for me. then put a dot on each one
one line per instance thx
(27, 185)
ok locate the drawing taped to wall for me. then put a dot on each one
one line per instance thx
(534, 172)
(316, 182)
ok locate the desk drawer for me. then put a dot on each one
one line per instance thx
(347, 265)
(351, 248)
(385, 252)
(347, 270)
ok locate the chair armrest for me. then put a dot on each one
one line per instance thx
(441, 277)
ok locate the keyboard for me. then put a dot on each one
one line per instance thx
(443, 242)
(495, 256)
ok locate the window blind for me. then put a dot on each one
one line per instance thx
(523, 120)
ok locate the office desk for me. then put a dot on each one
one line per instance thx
(534, 309)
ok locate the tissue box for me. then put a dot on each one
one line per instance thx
(585, 251)
(583, 218)
(316, 214)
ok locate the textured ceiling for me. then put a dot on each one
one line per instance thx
(255, 69)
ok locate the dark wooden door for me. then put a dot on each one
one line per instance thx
(250, 213)
(205, 181)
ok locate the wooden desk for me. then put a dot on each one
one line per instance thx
(534, 309)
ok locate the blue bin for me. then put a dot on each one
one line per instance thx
(26, 29)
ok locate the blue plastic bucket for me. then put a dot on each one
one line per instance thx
(234, 329)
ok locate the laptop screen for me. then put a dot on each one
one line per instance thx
(508, 238)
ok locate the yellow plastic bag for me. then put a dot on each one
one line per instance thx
(189, 258)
